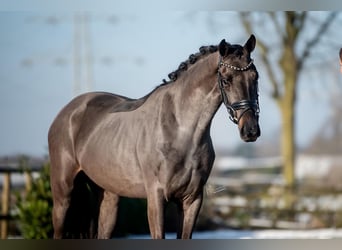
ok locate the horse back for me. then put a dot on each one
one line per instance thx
(69, 120)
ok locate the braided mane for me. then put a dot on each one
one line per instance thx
(132, 104)
(193, 58)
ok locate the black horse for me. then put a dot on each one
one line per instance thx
(157, 147)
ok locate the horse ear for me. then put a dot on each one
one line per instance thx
(223, 48)
(250, 44)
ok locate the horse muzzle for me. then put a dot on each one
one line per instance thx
(249, 128)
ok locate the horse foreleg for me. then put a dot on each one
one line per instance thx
(189, 215)
(108, 214)
(155, 213)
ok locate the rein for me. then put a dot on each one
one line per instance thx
(244, 105)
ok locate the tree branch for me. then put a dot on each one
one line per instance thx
(264, 51)
(315, 39)
(277, 25)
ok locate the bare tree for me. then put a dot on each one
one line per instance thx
(284, 50)
(328, 139)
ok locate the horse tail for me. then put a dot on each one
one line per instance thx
(82, 215)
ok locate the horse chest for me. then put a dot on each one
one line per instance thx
(185, 172)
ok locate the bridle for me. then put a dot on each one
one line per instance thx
(244, 105)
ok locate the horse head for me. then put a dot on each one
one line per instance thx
(238, 82)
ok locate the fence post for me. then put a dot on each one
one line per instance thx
(5, 202)
(28, 181)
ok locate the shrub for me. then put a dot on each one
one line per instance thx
(35, 208)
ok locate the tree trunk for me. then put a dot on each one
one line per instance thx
(288, 147)
(287, 104)
(288, 28)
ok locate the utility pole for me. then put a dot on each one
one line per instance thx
(82, 55)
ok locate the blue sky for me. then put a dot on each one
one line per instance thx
(132, 53)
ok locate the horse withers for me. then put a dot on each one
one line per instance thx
(157, 147)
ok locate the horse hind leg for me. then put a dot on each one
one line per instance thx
(108, 214)
(63, 171)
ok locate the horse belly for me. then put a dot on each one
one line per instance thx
(122, 179)
(108, 158)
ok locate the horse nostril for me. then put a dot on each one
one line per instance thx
(256, 130)
(251, 131)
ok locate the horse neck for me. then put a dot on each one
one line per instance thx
(196, 93)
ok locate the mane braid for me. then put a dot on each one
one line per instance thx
(193, 58)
